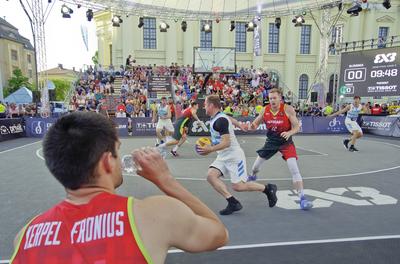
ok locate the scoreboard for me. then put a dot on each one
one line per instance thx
(370, 73)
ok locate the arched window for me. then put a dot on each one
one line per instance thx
(303, 86)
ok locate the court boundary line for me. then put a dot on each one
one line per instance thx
(8, 150)
(301, 242)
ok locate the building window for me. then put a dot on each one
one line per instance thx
(240, 36)
(205, 37)
(149, 33)
(305, 39)
(303, 86)
(14, 55)
(29, 58)
(382, 36)
(30, 74)
(273, 39)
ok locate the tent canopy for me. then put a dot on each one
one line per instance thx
(21, 96)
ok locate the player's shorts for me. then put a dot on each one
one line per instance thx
(352, 125)
(180, 126)
(165, 123)
(270, 148)
(234, 168)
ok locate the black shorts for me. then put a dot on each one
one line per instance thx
(180, 127)
(270, 148)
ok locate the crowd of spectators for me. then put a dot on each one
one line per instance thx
(243, 94)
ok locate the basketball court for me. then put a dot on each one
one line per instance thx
(355, 217)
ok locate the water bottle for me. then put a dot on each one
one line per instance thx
(128, 166)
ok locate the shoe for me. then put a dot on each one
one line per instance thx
(231, 208)
(346, 143)
(305, 204)
(174, 153)
(352, 148)
(271, 194)
(161, 142)
(251, 178)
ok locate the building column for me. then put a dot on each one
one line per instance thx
(291, 50)
(117, 58)
(188, 43)
(171, 51)
(257, 43)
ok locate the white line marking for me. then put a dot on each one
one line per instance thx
(304, 242)
(38, 154)
(8, 150)
(320, 153)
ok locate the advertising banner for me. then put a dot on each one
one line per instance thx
(379, 125)
(37, 127)
(306, 124)
(143, 126)
(329, 126)
(11, 128)
(159, 87)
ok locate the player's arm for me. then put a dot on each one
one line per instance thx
(181, 220)
(221, 125)
(169, 114)
(256, 122)
(194, 114)
(291, 114)
(342, 111)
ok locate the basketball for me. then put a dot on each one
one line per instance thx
(203, 141)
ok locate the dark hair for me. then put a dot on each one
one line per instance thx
(355, 97)
(193, 104)
(74, 145)
(214, 100)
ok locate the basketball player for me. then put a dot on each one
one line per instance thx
(181, 128)
(353, 110)
(230, 161)
(282, 124)
(164, 121)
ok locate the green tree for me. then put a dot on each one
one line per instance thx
(16, 81)
(62, 88)
(95, 58)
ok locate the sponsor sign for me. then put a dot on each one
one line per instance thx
(380, 125)
(11, 128)
(143, 126)
(329, 125)
(159, 87)
(38, 127)
(370, 73)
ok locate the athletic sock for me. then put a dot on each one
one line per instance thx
(175, 148)
(300, 193)
(232, 200)
(162, 145)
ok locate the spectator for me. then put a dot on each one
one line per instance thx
(376, 110)
(3, 110)
(74, 229)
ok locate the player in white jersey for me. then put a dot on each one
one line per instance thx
(230, 161)
(353, 110)
(163, 112)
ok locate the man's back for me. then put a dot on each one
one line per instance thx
(102, 231)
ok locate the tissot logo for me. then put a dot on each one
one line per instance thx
(390, 57)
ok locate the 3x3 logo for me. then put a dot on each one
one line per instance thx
(390, 57)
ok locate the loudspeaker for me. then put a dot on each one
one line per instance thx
(329, 98)
(52, 95)
(35, 96)
(314, 96)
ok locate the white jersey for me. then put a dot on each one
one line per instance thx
(353, 112)
(231, 151)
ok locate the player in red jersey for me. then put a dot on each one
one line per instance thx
(181, 127)
(94, 224)
(282, 124)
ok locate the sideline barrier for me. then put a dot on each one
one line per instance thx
(11, 128)
(143, 126)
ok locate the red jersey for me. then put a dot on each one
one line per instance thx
(187, 113)
(276, 123)
(101, 231)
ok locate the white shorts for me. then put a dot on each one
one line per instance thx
(165, 123)
(352, 125)
(234, 168)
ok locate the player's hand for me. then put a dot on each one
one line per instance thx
(204, 150)
(245, 127)
(286, 135)
(150, 165)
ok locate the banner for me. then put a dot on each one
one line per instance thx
(257, 38)
(306, 124)
(143, 126)
(11, 128)
(325, 125)
(37, 127)
(380, 125)
(121, 124)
